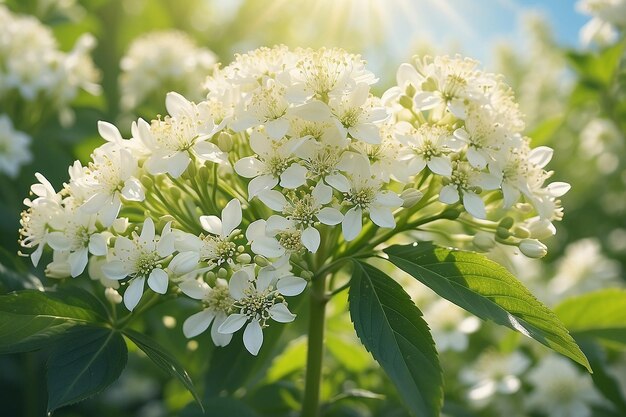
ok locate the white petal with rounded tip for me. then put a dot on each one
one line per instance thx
(440, 165)
(256, 230)
(211, 224)
(95, 202)
(253, 337)
(322, 193)
(147, 231)
(540, 156)
(133, 293)
(339, 182)
(115, 270)
(58, 241)
(97, 244)
(177, 105)
(449, 194)
(232, 323)
(277, 223)
(558, 189)
(195, 289)
(238, 283)
(330, 216)
(109, 132)
(158, 281)
(314, 111)
(293, 177)
(231, 217)
(78, 262)
(510, 194)
(474, 205)
(407, 74)
(133, 190)
(261, 183)
(276, 129)
(273, 199)
(280, 313)
(220, 339)
(475, 158)
(367, 133)
(210, 152)
(184, 262)
(165, 245)
(388, 198)
(249, 167)
(311, 239)
(457, 108)
(267, 275)
(291, 286)
(426, 101)
(197, 323)
(177, 164)
(268, 247)
(109, 212)
(352, 223)
(382, 216)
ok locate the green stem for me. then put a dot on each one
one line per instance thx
(315, 351)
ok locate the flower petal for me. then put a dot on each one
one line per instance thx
(280, 313)
(158, 281)
(382, 216)
(311, 239)
(293, 177)
(232, 323)
(249, 167)
(449, 194)
(211, 224)
(330, 216)
(220, 339)
(133, 293)
(322, 193)
(253, 337)
(352, 223)
(273, 199)
(291, 286)
(474, 205)
(197, 323)
(231, 217)
(238, 283)
(261, 183)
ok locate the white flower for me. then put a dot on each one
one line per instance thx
(173, 141)
(258, 299)
(273, 244)
(274, 161)
(560, 390)
(217, 302)
(429, 146)
(365, 195)
(450, 325)
(80, 237)
(14, 151)
(300, 212)
(164, 60)
(358, 114)
(140, 258)
(467, 183)
(217, 248)
(608, 16)
(110, 176)
(494, 373)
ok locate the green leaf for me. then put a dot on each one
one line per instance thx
(82, 363)
(29, 319)
(392, 329)
(606, 383)
(597, 315)
(163, 359)
(487, 290)
(597, 68)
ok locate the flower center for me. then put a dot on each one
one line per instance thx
(146, 262)
(291, 241)
(219, 299)
(361, 198)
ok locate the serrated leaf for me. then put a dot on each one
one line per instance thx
(391, 327)
(598, 315)
(487, 290)
(29, 319)
(163, 360)
(82, 363)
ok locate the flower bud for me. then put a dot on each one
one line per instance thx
(533, 248)
(146, 181)
(406, 102)
(244, 258)
(222, 273)
(261, 261)
(484, 241)
(410, 90)
(308, 275)
(203, 173)
(175, 192)
(225, 142)
(120, 225)
(507, 222)
(410, 197)
(503, 233)
(541, 229)
(451, 214)
(58, 269)
(521, 232)
(112, 296)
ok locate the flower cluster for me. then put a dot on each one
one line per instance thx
(14, 150)
(608, 18)
(288, 163)
(34, 69)
(158, 60)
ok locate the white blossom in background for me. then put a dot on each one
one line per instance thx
(14, 148)
(32, 64)
(450, 325)
(157, 62)
(560, 390)
(492, 374)
(284, 160)
(608, 18)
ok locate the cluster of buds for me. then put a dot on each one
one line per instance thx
(289, 164)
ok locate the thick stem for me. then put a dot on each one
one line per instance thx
(315, 352)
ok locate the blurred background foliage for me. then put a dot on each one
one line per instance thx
(574, 99)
